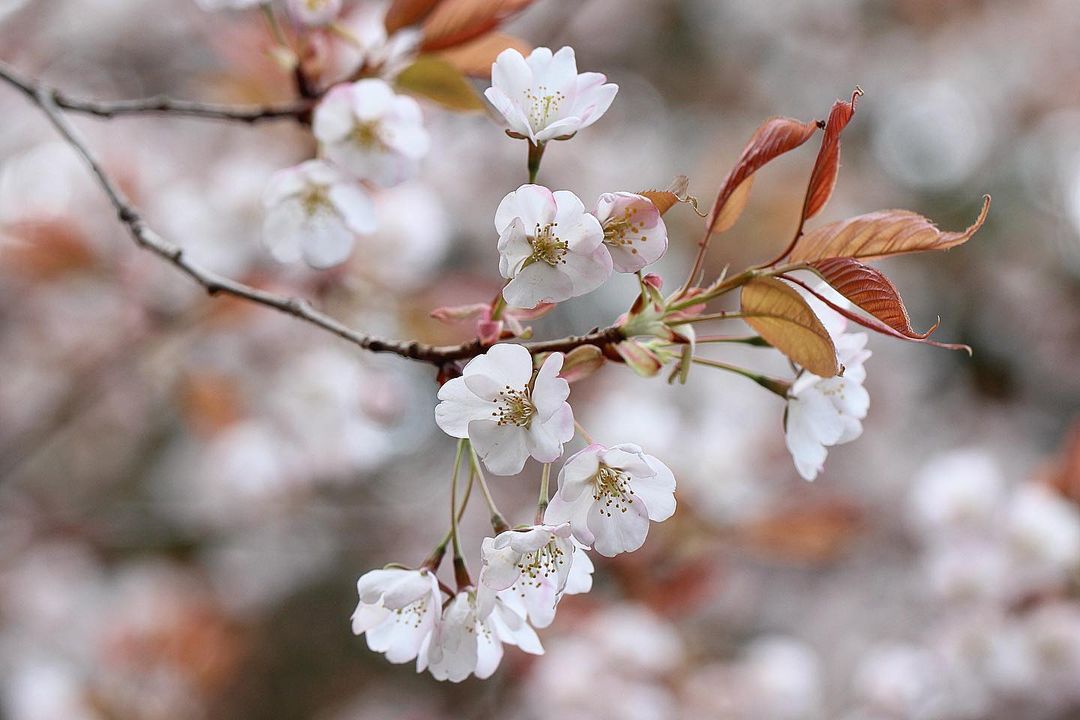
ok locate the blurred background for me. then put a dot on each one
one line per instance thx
(190, 487)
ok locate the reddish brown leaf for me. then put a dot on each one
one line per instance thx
(827, 165)
(475, 57)
(872, 323)
(780, 315)
(870, 290)
(773, 138)
(665, 199)
(454, 22)
(880, 234)
(403, 13)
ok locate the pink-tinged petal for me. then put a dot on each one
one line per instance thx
(558, 74)
(333, 118)
(591, 105)
(583, 234)
(503, 448)
(540, 601)
(371, 98)
(514, 248)
(506, 365)
(459, 407)
(355, 207)
(511, 112)
(629, 458)
(638, 236)
(617, 530)
(569, 209)
(549, 390)
(534, 204)
(588, 272)
(578, 472)
(562, 128)
(538, 283)
(511, 75)
(576, 513)
(657, 491)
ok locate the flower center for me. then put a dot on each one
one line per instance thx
(515, 407)
(412, 614)
(542, 105)
(612, 488)
(366, 134)
(623, 231)
(537, 566)
(546, 246)
(315, 200)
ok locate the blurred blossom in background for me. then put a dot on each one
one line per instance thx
(189, 487)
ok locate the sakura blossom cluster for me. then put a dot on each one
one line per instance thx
(369, 138)
(507, 407)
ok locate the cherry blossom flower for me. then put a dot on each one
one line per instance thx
(549, 247)
(534, 566)
(371, 132)
(543, 97)
(609, 495)
(398, 610)
(464, 643)
(506, 412)
(634, 232)
(314, 13)
(314, 211)
(822, 412)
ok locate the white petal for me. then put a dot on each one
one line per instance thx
(333, 118)
(503, 365)
(581, 570)
(588, 272)
(538, 283)
(657, 491)
(617, 530)
(459, 407)
(370, 98)
(355, 207)
(549, 390)
(577, 473)
(327, 240)
(546, 438)
(503, 448)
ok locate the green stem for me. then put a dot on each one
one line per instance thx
(536, 153)
(542, 502)
(498, 522)
(723, 315)
(774, 385)
(498, 306)
(461, 572)
(753, 340)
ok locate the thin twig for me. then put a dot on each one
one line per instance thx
(158, 105)
(217, 284)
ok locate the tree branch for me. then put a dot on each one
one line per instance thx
(216, 284)
(160, 105)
